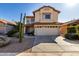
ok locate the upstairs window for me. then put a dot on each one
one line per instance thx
(46, 16)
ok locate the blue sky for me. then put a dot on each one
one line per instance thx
(11, 11)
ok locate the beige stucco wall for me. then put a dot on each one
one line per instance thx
(30, 20)
(39, 15)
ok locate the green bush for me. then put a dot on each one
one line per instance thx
(11, 33)
(72, 36)
(71, 30)
(67, 36)
(75, 37)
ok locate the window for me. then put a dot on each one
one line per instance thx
(46, 16)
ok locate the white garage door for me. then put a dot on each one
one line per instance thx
(46, 31)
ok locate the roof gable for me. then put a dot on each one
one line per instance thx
(44, 7)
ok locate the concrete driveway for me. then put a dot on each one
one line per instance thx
(45, 44)
(44, 39)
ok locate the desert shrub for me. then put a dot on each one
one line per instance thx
(4, 41)
(71, 30)
(67, 36)
(11, 33)
(72, 36)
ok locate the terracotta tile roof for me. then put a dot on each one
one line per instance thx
(77, 21)
(72, 22)
(7, 22)
(13, 23)
(3, 21)
(46, 6)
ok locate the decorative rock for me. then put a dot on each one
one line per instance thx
(4, 40)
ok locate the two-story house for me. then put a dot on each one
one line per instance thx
(44, 21)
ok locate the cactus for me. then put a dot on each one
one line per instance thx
(21, 28)
(23, 25)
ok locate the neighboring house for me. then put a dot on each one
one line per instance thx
(71, 24)
(5, 26)
(2, 27)
(44, 21)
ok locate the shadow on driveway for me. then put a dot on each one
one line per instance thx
(72, 41)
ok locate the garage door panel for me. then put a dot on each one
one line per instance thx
(46, 31)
